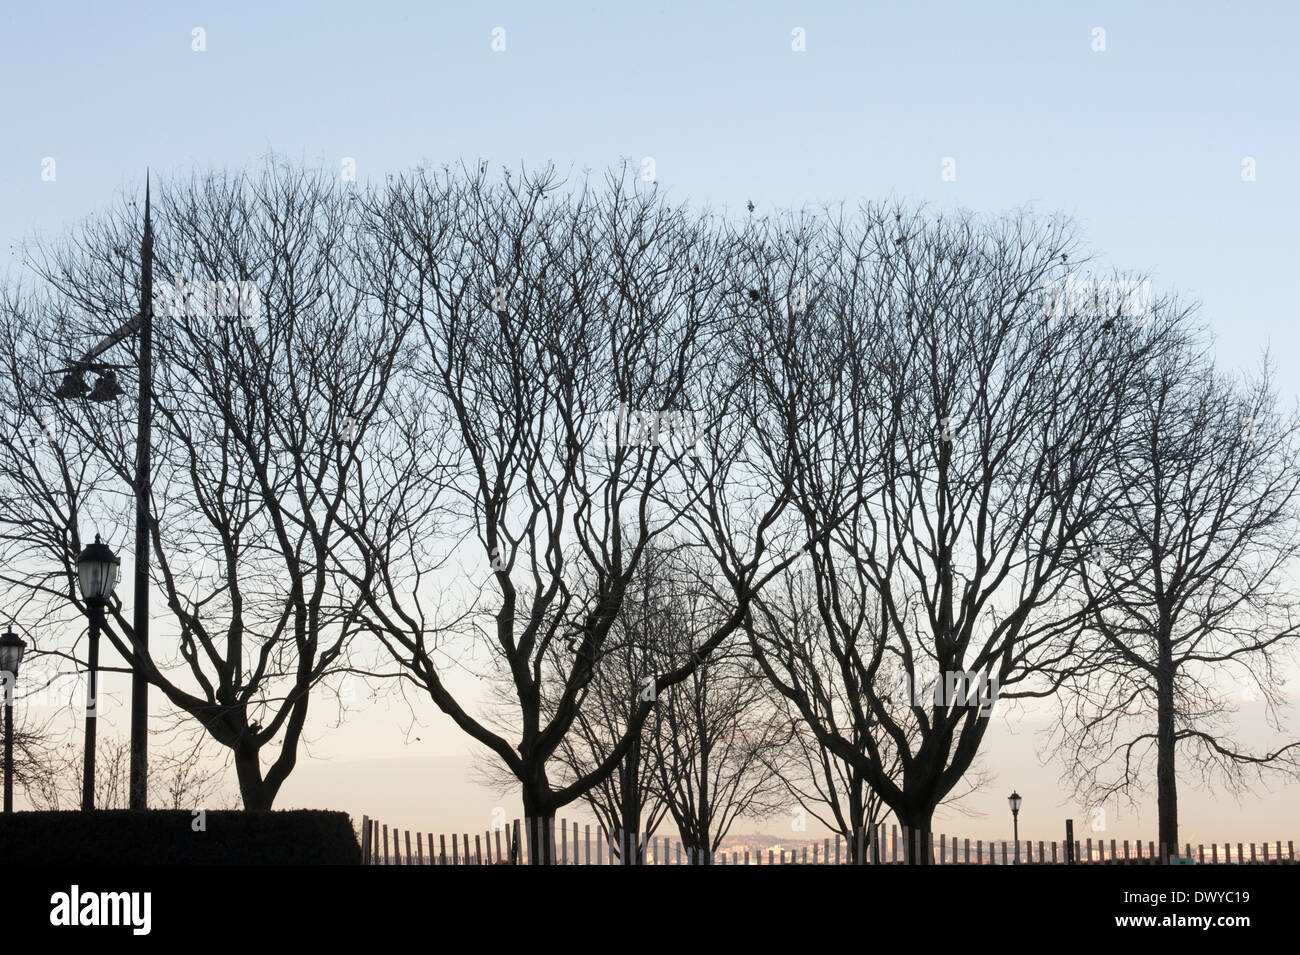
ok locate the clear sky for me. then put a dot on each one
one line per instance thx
(1144, 143)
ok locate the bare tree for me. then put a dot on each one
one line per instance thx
(626, 802)
(271, 362)
(563, 402)
(717, 738)
(178, 779)
(833, 790)
(1186, 582)
(38, 761)
(836, 792)
(953, 461)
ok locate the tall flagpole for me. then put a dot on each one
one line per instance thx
(139, 684)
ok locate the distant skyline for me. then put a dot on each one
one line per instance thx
(1144, 143)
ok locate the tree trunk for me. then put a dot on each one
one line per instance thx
(917, 824)
(630, 838)
(253, 789)
(704, 822)
(539, 814)
(697, 851)
(1166, 780)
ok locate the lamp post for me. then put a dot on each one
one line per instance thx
(1014, 799)
(97, 568)
(108, 389)
(11, 656)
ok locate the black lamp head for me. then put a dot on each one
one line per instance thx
(73, 385)
(106, 387)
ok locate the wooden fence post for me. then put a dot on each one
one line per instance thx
(385, 843)
(408, 847)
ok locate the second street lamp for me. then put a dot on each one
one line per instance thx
(97, 568)
(11, 657)
(1014, 800)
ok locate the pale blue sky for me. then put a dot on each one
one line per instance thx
(1143, 143)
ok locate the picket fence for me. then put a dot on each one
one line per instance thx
(508, 845)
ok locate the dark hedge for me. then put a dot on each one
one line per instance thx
(167, 837)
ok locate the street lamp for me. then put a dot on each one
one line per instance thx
(11, 656)
(1014, 799)
(97, 568)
